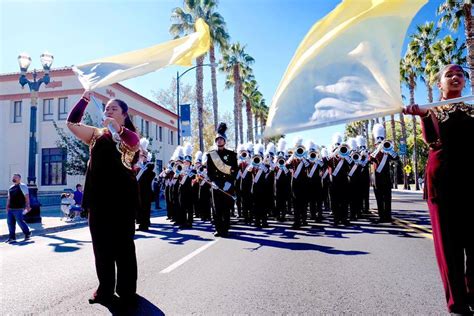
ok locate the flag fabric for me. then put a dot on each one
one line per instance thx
(181, 51)
(347, 67)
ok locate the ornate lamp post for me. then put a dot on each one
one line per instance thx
(24, 60)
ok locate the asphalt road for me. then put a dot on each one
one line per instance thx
(365, 268)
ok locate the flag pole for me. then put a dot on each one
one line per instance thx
(444, 102)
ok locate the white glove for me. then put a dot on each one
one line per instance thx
(214, 186)
(227, 186)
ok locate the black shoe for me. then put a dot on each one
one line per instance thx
(27, 236)
(10, 241)
(216, 234)
(105, 300)
(129, 300)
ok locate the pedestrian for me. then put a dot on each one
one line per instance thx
(448, 188)
(222, 170)
(113, 153)
(77, 207)
(18, 204)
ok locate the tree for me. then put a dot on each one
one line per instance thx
(77, 151)
(167, 97)
(234, 59)
(354, 129)
(457, 12)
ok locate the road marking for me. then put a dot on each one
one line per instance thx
(420, 230)
(188, 257)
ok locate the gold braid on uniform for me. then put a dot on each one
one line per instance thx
(127, 154)
(442, 112)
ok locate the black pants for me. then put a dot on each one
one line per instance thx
(143, 216)
(281, 206)
(339, 202)
(113, 244)
(383, 195)
(223, 205)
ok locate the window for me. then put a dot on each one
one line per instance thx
(53, 166)
(146, 132)
(160, 133)
(17, 112)
(47, 109)
(171, 137)
(62, 109)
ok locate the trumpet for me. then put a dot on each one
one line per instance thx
(313, 155)
(300, 152)
(243, 155)
(387, 146)
(343, 150)
(281, 162)
(256, 161)
(356, 156)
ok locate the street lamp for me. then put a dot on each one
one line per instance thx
(178, 76)
(24, 60)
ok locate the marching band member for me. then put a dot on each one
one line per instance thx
(259, 189)
(168, 174)
(195, 182)
(282, 181)
(314, 181)
(222, 170)
(339, 164)
(246, 180)
(242, 164)
(364, 173)
(178, 174)
(448, 130)
(355, 181)
(299, 183)
(325, 180)
(204, 191)
(380, 158)
(145, 177)
(185, 189)
(113, 153)
(269, 194)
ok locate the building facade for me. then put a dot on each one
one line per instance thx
(54, 102)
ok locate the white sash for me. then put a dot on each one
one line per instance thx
(313, 169)
(325, 173)
(278, 174)
(259, 173)
(382, 163)
(245, 173)
(142, 170)
(298, 170)
(354, 168)
(238, 174)
(184, 179)
(338, 167)
(202, 182)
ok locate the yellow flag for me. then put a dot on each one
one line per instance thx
(181, 51)
(346, 68)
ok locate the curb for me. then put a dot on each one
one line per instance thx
(407, 191)
(55, 229)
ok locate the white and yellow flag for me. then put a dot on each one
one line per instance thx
(109, 70)
(346, 68)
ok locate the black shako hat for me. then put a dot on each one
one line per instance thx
(221, 129)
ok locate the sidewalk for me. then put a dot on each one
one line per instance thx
(412, 189)
(52, 221)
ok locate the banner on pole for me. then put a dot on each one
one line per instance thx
(185, 120)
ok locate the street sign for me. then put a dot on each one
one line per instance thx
(407, 169)
(185, 120)
(403, 149)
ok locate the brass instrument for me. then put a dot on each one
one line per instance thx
(300, 152)
(313, 155)
(356, 156)
(281, 162)
(244, 155)
(256, 161)
(387, 146)
(343, 150)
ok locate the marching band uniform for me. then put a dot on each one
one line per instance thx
(222, 170)
(339, 164)
(282, 181)
(355, 181)
(448, 130)
(246, 180)
(185, 189)
(364, 174)
(243, 155)
(269, 193)
(259, 187)
(204, 191)
(195, 183)
(314, 171)
(168, 174)
(178, 171)
(299, 183)
(325, 180)
(380, 159)
(145, 178)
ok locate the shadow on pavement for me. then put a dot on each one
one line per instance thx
(65, 244)
(144, 307)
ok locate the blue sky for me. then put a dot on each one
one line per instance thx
(78, 31)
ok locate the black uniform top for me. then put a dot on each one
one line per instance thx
(229, 158)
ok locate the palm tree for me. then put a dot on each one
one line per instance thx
(408, 76)
(263, 115)
(443, 52)
(251, 96)
(453, 12)
(184, 20)
(234, 61)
